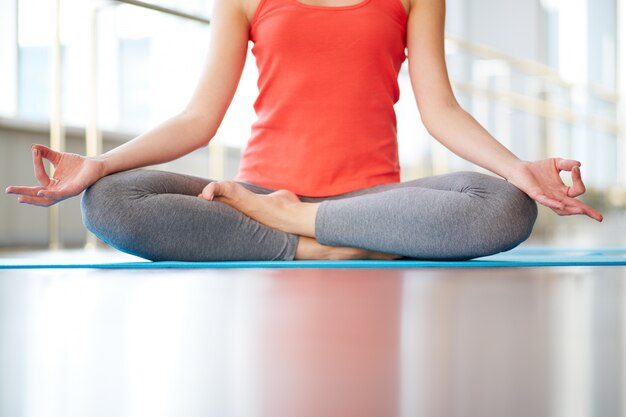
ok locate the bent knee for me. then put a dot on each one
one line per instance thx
(523, 209)
(94, 200)
(103, 202)
(97, 195)
(515, 217)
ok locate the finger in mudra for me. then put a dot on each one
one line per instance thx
(72, 174)
(573, 206)
(541, 180)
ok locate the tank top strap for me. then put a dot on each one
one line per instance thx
(267, 6)
(394, 8)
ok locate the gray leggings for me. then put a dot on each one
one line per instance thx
(157, 215)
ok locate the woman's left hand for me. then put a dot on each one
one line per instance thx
(542, 182)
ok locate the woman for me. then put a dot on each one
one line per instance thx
(319, 178)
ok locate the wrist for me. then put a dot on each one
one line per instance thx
(514, 169)
(101, 162)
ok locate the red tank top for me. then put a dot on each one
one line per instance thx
(328, 80)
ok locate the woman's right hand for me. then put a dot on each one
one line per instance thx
(72, 174)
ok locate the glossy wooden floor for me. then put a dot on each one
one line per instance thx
(379, 343)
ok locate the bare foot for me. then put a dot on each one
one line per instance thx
(311, 249)
(280, 210)
(284, 211)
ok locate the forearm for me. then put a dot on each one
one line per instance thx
(458, 131)
(176, 137)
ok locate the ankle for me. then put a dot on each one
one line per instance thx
(310, 249)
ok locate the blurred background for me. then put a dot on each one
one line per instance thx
(545, 77)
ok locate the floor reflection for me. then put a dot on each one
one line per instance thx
(331, 346)
(498, 342)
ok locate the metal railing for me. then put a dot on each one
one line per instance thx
(165, 10)
(533, 105)
(57, 135)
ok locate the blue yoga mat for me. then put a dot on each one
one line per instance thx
(519, 257)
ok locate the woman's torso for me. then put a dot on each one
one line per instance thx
(327, 87)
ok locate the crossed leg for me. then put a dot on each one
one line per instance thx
(454, 216)
(158, 215)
